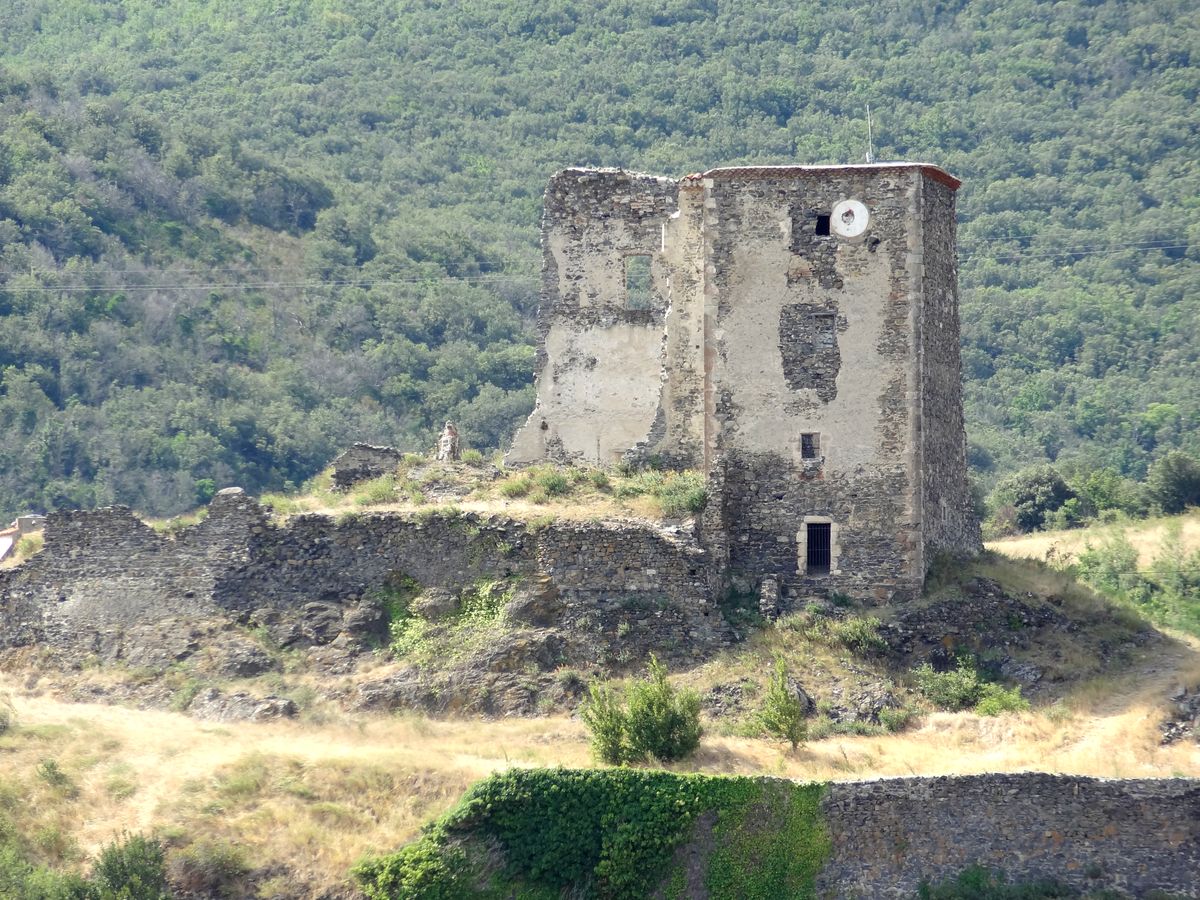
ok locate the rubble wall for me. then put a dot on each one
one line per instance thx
(104, 571)
(1135, 836)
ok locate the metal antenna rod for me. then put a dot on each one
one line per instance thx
(870, 138)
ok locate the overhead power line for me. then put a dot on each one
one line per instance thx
(488, 277)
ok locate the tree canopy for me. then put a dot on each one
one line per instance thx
(235, 236)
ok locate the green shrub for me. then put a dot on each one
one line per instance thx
(553, 483)
(663, 724)
(658, 723)
(978, 883)
(377, 490)
(472, 457)
(782, 714)
(683, 494)
(962, 688)
(953, 690)
(995, 699)
(896, 719)
(858, 634)
(516, 486)
(608, 725)
(1108, 566)
(599, 479)
(132, 868)
(1033, 494)
(424, 869)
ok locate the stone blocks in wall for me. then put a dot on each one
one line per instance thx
(778, 324)
(1135, 836)
(363, 462)
(633, 587)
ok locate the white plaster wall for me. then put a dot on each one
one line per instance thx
(606, 401)
(753, 365)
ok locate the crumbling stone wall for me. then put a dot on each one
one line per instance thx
(1135, 836)
(103, 571)
(600, 362)
(363, 462)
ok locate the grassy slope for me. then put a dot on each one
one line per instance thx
(310, 797)
(1146, 535)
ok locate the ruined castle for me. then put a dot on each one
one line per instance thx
(793, 332)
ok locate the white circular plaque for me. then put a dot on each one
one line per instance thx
(849, 218)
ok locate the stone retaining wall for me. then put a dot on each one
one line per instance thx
(1134, 836)
(102, 571)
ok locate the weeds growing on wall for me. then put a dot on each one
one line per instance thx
(978, 883)
(609, 834)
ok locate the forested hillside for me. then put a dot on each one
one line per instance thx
(236, 235)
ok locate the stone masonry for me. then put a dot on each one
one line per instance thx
(800, 346)
(1136, 836)
(630, 587)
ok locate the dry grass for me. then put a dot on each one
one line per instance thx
(1146, 535)
(26, 546)
(533, 493)
(314, 798)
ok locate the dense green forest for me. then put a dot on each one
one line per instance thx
(236, 235)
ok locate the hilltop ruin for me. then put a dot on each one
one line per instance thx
(793, 332)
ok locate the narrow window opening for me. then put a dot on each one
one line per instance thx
(810, 446)
(639, 292)
(819, 546)
(823, 225)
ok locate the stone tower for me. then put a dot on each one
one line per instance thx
(793, 332)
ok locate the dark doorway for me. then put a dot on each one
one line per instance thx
(819, 547)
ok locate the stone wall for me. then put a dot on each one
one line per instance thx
(1135, 836)
(814, 336)
(948, 522)
(363, 462)
(601, 362)
(103, 571)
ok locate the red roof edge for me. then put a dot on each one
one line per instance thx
(927, 169)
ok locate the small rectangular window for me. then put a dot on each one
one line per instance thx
(819, 548)
(639, 289)
(810, 446)
(823, 225)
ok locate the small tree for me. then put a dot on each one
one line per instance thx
(782, 714)
(663, 724)
(1033, 493)
(659, 722)
(608, 723)
(132, 868)
(1173, 482)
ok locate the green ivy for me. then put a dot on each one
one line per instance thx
(610, 834)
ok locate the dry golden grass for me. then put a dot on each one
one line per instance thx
(315, 798)
(1146, 535)
(592, 494)
(25, 547)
